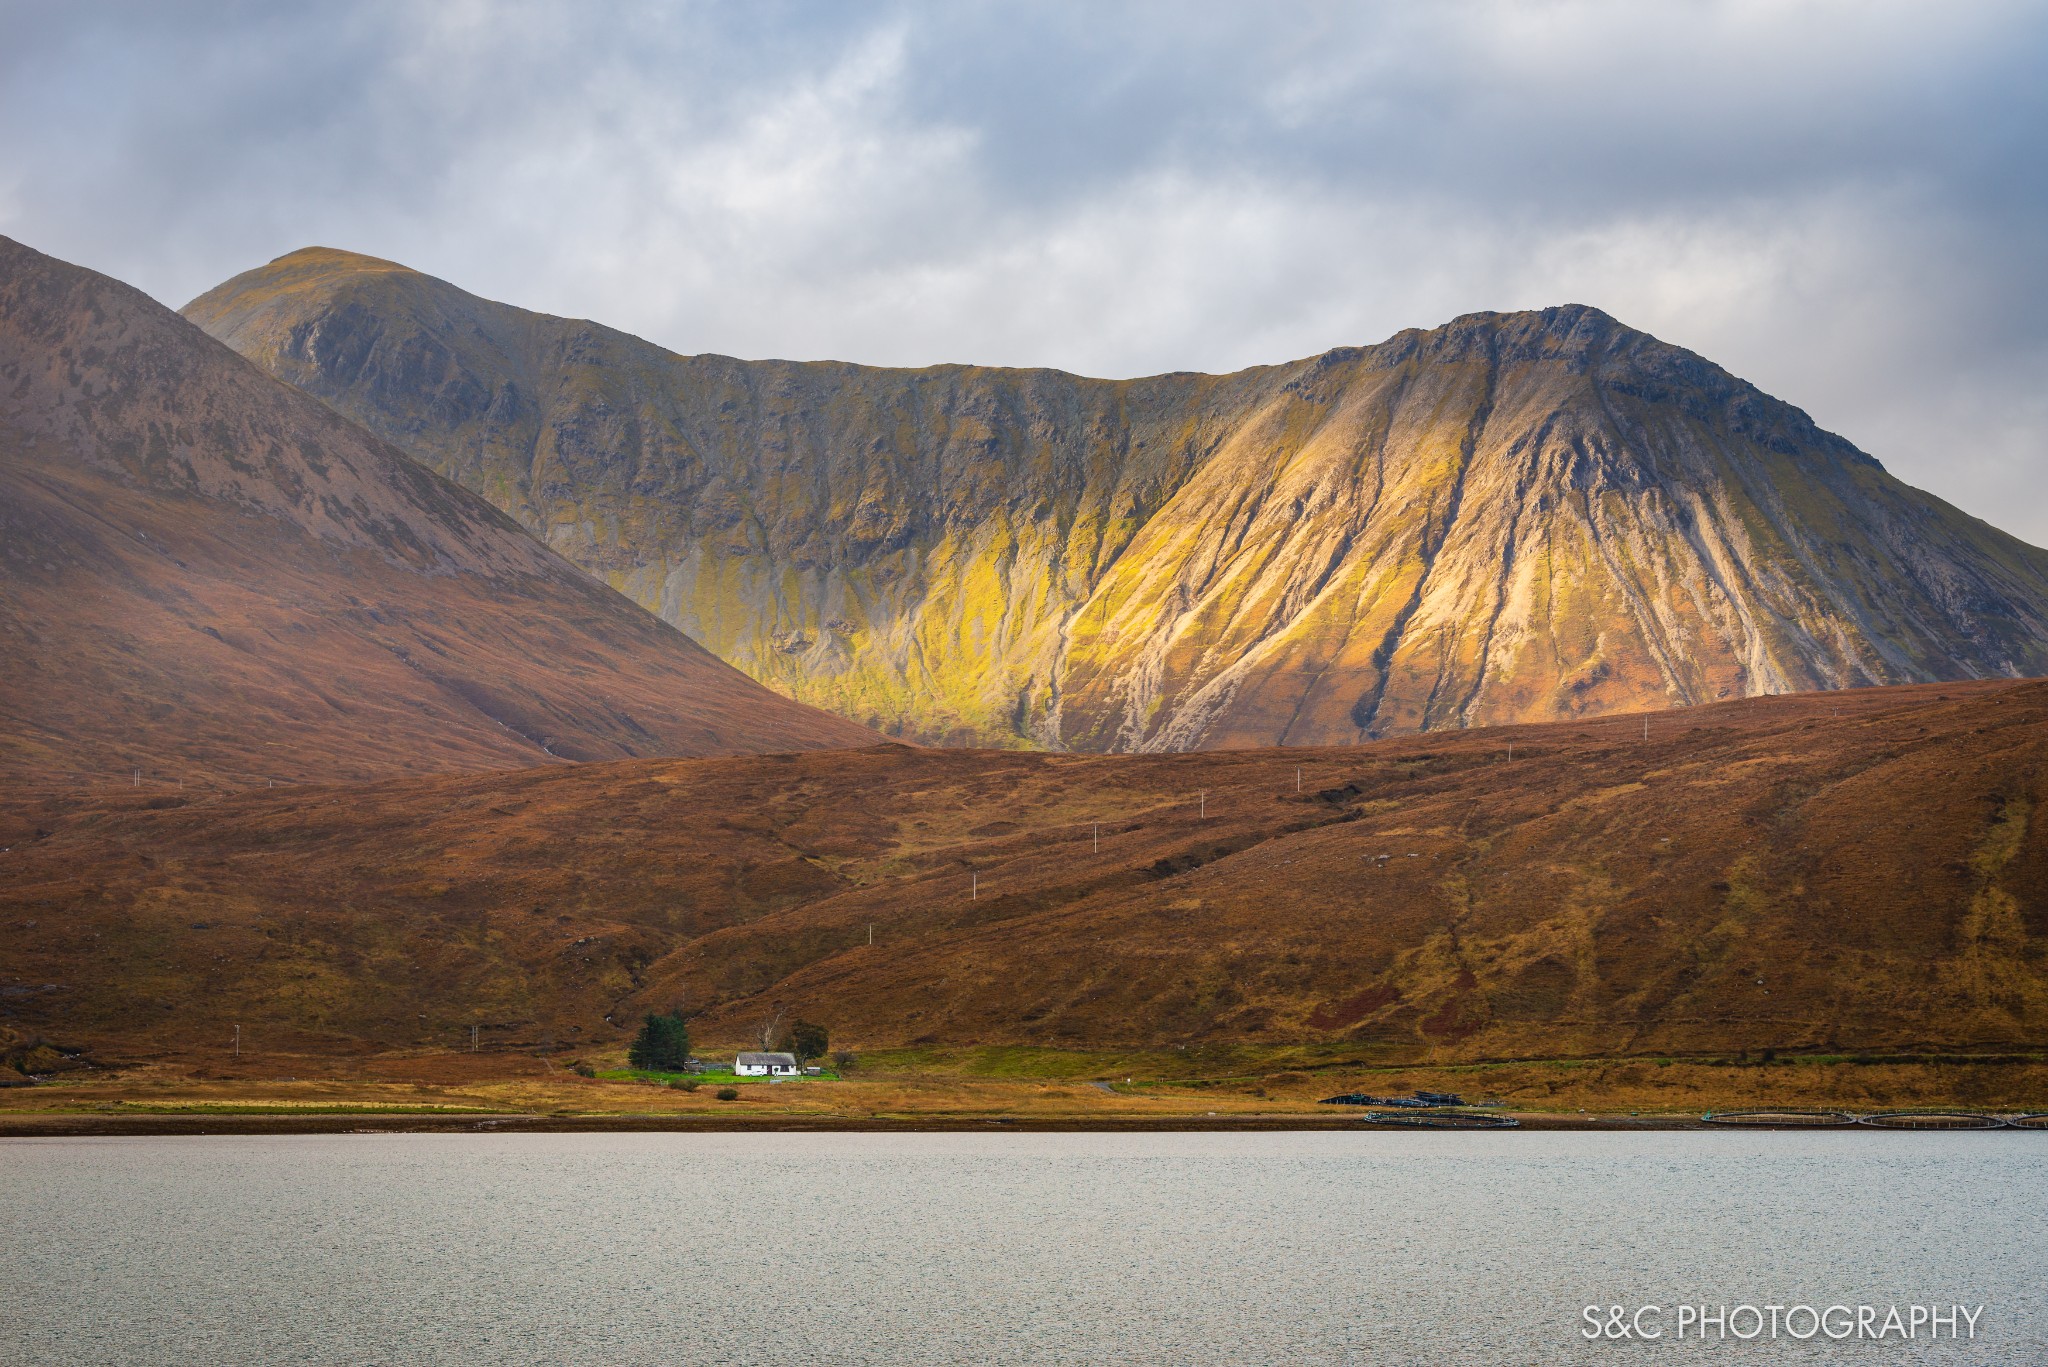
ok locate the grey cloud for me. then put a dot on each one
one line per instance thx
(1839, 201)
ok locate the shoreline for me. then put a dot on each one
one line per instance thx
(61, 1125)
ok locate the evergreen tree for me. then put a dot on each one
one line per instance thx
(807, 1041)
(663, 1044)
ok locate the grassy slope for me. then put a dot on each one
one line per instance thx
(211, 577)
(1759, 875)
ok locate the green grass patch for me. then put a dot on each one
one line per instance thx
(1235, 1065)
(720, 1078)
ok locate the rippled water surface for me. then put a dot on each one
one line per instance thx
(1018, 1248)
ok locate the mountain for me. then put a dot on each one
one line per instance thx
(1855, 871)
(1513, 517)
(207, 575)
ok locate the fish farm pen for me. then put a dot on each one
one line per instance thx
(1877, 1120)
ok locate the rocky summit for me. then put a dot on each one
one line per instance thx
(1511, 518)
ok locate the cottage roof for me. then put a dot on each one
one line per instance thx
(760, 1060)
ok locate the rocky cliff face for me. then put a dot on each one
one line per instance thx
(1513, 517)
(206, 575)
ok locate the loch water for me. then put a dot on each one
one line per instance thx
(1027, 1248)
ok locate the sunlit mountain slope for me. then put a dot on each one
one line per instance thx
(1513, 517)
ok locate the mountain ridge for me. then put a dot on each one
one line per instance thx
(209, 575)
(1512, 517)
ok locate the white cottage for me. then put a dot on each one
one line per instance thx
(766, 1065)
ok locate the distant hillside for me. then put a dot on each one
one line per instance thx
(1863, 871)
(1513, 517)
(207, 576)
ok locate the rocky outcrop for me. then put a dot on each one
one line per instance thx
(1513, 517)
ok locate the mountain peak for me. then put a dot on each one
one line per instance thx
(339, 255)
(1560, 319)
(1562, 332)
(1515, 516)
(214, 575)
(333, 261)
(315, 271)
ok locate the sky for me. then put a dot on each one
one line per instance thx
(1845, 203)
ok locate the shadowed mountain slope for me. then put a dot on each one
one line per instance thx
(1865, 870)
(1512, 517)
(206, 575)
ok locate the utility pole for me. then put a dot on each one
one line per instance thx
(1205, 803)
(1646, 726)
(1098, 837)
(973, 886)
(137, 783)
(472, 1039)
(238, 1041)
(1297, 778)
(871, 933)
(1511, 751)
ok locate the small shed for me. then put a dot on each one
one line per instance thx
(766, 1065)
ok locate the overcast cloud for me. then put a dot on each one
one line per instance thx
(1843, 202)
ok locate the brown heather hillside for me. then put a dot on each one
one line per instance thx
(1863, 871)
(210, 577)
(1513, 517)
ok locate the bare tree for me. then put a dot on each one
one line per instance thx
(771, 1029)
